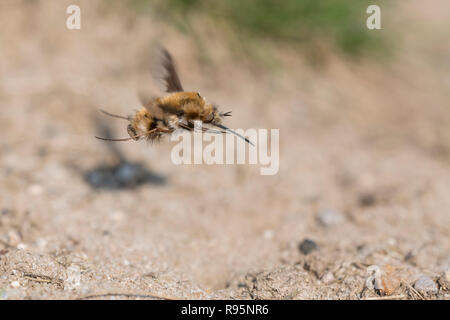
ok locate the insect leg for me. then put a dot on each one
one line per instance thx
(114, 115)
(130, 138)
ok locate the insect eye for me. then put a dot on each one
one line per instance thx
(210, 117)
(198, 94)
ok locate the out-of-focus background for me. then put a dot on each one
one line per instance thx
(364, 176)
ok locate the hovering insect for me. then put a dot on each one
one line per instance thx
(177, 110)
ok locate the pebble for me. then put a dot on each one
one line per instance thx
(118, 216)
(373, 281)
(384, 280)
(330, 218)
(22, 246)
(268, 234)
(307, 246)
(444, 280)
(389, 280)
(35, 189)
(14, 238)
(73, 280)
(426, 285)
(327, 278)
(41, 243)
(15, 284)
(367, 199)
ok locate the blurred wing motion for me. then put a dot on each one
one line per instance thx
(166, 73)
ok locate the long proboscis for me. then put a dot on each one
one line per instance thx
(233, 132)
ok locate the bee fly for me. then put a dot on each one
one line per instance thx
(178, 109)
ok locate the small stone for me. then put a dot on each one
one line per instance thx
(444, 280)
(330, 218)
(41, 243)
(391, 242)
(73, 280)
(389, 280)
(14, 238)
(268, 234)
(118, 216)
(383, 280)
(307, 246)
(373, 281)
(22, 246)
(328, 277)
(35, 189)
(15, 284)
(367, 199)
(425, 285)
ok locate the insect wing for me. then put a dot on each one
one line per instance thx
(165, 73)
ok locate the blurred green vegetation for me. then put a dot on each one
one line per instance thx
(296, 22)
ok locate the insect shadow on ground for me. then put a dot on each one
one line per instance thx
(124, 174)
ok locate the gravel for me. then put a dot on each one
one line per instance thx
(444, 280)
(330, 218)
(307, 246)
(426, 285)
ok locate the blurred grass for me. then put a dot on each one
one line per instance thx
(301, 23)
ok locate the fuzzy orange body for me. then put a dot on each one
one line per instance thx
(178, 107)
(190, 105)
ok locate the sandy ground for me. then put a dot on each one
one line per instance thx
(364, 166)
